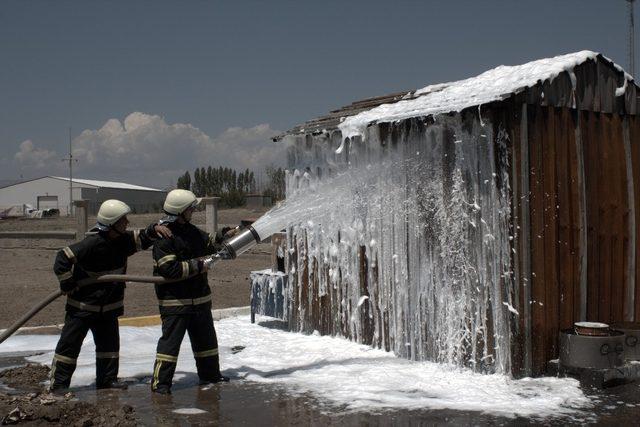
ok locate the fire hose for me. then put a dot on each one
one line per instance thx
(232, 248)
(107, 278)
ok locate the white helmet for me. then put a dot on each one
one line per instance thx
(110, 212)
(178, 201)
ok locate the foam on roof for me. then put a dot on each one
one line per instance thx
(493, 85)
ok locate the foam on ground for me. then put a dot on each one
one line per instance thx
(334, 370)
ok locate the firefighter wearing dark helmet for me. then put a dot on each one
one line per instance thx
(96, 306)
(185, 305)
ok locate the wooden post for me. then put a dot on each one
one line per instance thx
(583, 218)
(366, 320)
(278, 249)
(630, 295)
(211, 213)
(525, 239)
(81, 206)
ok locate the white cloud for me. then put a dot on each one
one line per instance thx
(30, 156)
(146, 149)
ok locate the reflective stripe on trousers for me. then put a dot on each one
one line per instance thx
(184, 302)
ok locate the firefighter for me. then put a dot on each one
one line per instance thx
(185, 305)
(97, 306)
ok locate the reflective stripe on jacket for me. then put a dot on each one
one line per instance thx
(96, 255)
(177, 258)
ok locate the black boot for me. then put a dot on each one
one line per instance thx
(161, 389)
(57, 389)
(218, 379)
(112, 384)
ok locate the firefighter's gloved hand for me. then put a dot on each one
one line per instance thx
(162, 231)
(205, 264)
(229, 232)
(68, 287)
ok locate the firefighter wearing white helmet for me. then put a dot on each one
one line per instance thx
(110, 212)
(177, 202)
(96, 306)
(185, 305)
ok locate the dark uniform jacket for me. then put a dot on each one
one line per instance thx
(95, 256)
(177, 258)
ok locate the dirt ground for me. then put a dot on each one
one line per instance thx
(26, 276)
(28, 402)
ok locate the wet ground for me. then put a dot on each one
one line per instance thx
(241, 402)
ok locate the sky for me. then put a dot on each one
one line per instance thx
(151, 89)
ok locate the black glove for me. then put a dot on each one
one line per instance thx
(204, 264)
(68, 286)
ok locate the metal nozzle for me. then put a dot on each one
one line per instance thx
(240, 243)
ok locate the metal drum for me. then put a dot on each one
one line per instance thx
(632, 334)
(591, 328)
(588, 351)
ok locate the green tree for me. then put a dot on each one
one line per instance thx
(184, 181)
(276, 184)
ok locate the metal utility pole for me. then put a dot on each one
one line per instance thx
(632, 52)
(71, 160)
(70, 174)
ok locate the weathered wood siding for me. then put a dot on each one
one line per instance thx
(554, 229)
(634, 131)
(555, 245)
(574, 149)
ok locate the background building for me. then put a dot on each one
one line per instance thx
(53, 192)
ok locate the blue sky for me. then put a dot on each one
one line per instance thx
(228, 74)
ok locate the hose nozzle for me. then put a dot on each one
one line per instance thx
(240, 243)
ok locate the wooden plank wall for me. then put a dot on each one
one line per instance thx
(554, 245)
(555, 221)
(554, 229)
(607, 215)
(634, 130)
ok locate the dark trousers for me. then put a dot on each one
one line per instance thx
(104, 328)
(204, 344)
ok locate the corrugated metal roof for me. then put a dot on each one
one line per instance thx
(107, 184)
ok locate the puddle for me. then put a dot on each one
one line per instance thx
(244, 402)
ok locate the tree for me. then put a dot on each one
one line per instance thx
(184, 181)
(228, 184)
(209, 181)
(276, 185)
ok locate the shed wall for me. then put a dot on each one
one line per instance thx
(573, 150)
(581, 245)
(574, 238)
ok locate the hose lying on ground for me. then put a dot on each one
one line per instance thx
(107, 278)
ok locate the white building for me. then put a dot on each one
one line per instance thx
(53, 192)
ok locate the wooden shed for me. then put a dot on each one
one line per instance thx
(551, 241)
